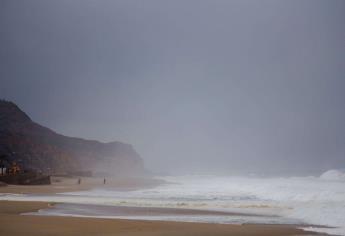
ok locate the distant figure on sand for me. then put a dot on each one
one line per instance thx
(104, 181)
(79, 181)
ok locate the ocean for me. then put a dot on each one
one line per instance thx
(306, 201)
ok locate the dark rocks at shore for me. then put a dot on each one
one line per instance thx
(29, 178)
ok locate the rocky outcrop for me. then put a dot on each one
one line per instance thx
(38, 148)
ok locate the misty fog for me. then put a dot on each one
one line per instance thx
(195, 86)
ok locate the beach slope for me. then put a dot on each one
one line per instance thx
(14, 224)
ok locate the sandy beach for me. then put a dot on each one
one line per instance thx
(12, 223)
(70, 184)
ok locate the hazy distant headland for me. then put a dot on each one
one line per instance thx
(35, 147)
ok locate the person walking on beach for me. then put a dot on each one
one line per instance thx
(79, 181)
(104, 181)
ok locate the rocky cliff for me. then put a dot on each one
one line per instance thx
(38, 148)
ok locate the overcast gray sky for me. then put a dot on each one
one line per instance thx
(193, 85)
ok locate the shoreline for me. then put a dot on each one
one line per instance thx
(11, 210)
(70, 184)
(13, 223)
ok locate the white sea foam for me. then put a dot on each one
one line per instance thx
(334, 175)
(308, 200)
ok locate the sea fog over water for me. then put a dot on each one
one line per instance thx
(296, 200)
(196, 86)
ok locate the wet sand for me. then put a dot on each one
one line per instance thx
(116, 211)
(14, 224)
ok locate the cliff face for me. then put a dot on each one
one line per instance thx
(38, 148)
